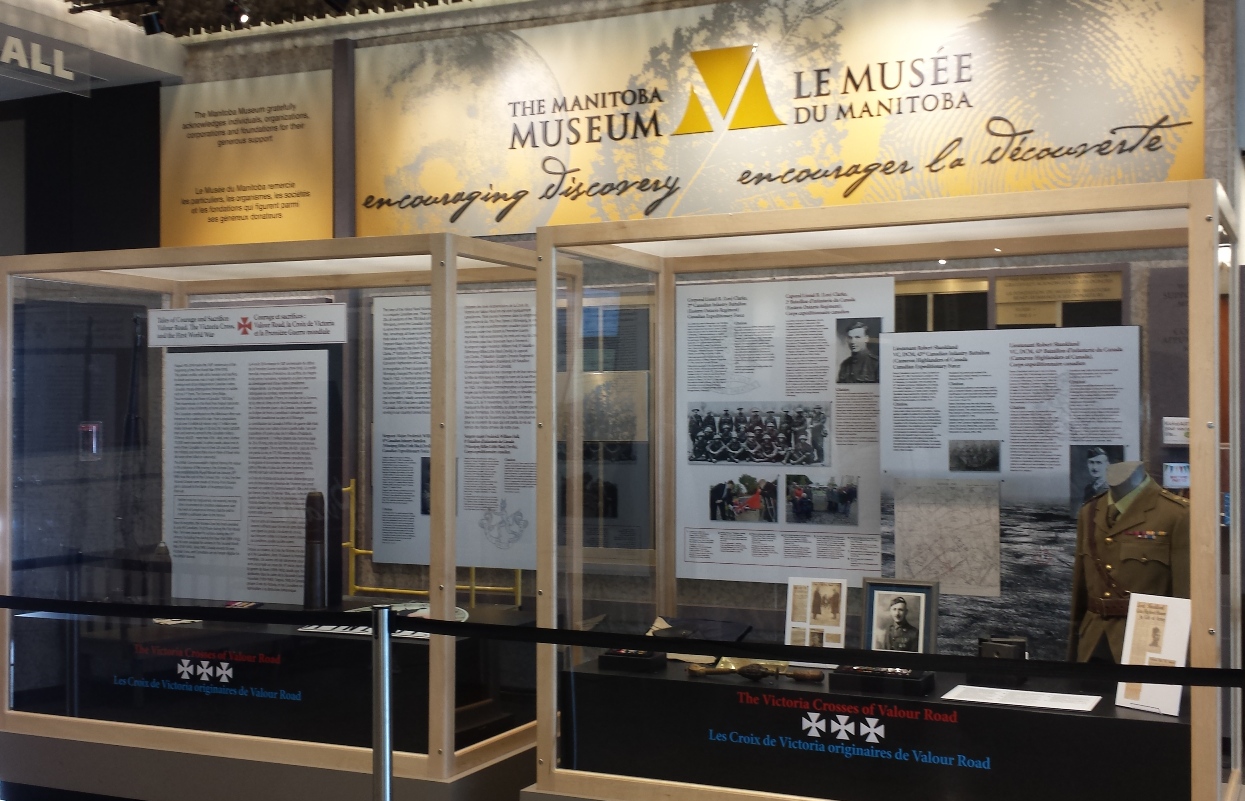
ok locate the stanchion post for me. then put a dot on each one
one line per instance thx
(382, 724)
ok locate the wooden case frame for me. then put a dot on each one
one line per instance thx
(1196, 215)
(141, 270)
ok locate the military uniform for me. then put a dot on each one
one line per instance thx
(1145, 550)
(902, 636)
(859, 368)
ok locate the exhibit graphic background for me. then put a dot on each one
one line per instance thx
(437, 119)
(496, 442)
(280, 180)
(767, 345)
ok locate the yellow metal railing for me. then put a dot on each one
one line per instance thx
(353, 552)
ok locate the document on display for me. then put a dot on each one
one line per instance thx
(778, 392)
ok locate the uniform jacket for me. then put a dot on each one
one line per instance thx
(1145, 551)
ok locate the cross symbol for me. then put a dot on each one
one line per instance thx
(813, 724)
(224, 672)
(205, 671)
(185, 670)
(244, 326)
(875, 731)
(842, 728)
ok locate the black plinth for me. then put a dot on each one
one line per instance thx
(728, 731)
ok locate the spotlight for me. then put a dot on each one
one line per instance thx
(998, 250)
(942, 261)
(153, 23)
(236, 12)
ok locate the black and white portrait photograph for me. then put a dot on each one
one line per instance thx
(973, 455)
(901, 615)
(771, 432)
(858, 349)
(825, 502)
(746, 499)
(1087, 472)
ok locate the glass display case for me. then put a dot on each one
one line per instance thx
(274, 427)
(880, 445)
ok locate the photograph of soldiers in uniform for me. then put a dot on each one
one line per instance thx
(746, 500)
(902, 616)
(858, 349)
(822, 503)
(774, 432)
(826, 604)
(1087, 472)
(973, 455)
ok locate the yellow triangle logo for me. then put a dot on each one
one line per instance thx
(695, 120)
(723, 71)
(754, 109)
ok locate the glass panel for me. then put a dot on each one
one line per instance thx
(843, 478)
(214, 456)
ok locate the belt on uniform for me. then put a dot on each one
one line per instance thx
(1109, 607)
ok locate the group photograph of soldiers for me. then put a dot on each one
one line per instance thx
(832, 503)
(777, 433)
(747, 500)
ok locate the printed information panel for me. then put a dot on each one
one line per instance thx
(247, 161)
(496, 432)
(1043, 410)
(245, 440)
(778, 472)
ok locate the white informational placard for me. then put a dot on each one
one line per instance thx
(816, 614)
(234, 326)
(1157, 633)
(1029, 698)
(1037, 408)
(777, 397)
(496, 429)
(1176, 431)
(1176, 475)
(245, 440)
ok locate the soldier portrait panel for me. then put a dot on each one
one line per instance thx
(858, 350)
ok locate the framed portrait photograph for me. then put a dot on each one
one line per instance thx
(900, 615)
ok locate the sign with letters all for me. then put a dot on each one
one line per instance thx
(44, 51)
(773, 104)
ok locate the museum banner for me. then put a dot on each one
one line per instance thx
(782, 104)
(245, 161)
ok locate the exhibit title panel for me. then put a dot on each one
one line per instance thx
(749, 106)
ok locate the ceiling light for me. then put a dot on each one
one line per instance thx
(236, 12)
(998, 250)
(942, 261)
